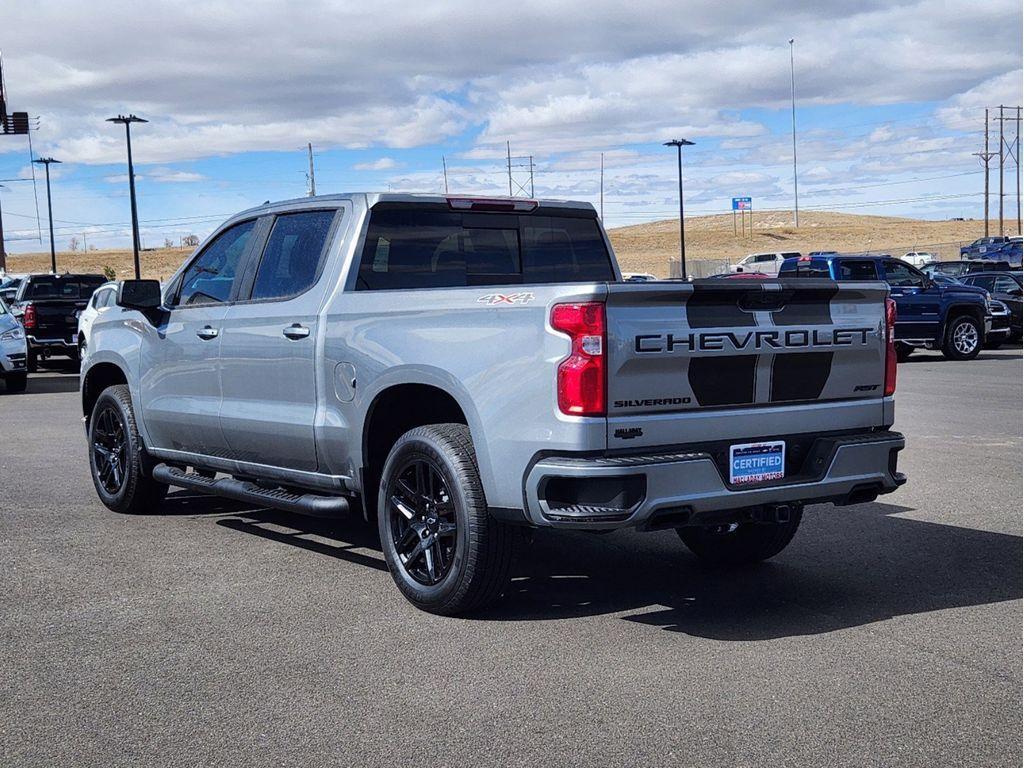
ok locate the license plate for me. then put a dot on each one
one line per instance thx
(757, 462)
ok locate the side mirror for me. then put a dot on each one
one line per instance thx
(139, 294)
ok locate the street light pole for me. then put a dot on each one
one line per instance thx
(45, 161)
(3, 252)
(792, 95)
(128, 120)
(679, 144)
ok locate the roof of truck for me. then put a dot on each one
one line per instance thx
(373, 198)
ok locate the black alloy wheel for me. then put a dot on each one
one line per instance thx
(422, 521)
(109, 446)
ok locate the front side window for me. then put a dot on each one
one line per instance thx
(292, 258)
(209, 278)
(900, 275)
(409, 247)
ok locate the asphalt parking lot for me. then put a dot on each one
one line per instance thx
(213, 634)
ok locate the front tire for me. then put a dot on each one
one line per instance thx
(963, 338)
(445, 552)
(724, 546)
(117, 455)
(15, 382)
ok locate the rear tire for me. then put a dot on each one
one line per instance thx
(117, 456)
(963, 338)
(32, 362)
(723, 546)
(995, 343)
(445, 552)
(15, 382)
(903, 352)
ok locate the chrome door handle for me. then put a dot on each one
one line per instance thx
(206, 333)
(296, 331)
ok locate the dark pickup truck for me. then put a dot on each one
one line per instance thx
(48, 306)
(954, 318)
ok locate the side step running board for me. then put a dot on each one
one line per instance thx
(240, 490)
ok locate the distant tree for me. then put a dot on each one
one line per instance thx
(168, 243)
(73, 244)
(190, 241)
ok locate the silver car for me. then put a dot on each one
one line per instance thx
(13, 351)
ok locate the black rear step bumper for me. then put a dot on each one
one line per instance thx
(687, 488)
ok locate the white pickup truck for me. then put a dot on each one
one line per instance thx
(457, 369)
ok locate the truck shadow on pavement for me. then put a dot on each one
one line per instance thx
(845, 568)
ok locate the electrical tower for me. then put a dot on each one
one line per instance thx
(520, 174)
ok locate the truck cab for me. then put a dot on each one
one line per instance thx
(952, 317)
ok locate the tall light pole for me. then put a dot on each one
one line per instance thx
(679, 144)
(49, 209)
(792, 96)
(128, 120)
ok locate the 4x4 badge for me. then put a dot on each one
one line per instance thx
(506, 298)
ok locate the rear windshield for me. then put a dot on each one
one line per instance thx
(410, 247)
(62, 287)
(811, 268)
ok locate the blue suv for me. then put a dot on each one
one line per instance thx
(953, 317)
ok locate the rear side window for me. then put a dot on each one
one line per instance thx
(980, 281)
(209, 278)
(856, 270)
(409, 247)
(294, 254)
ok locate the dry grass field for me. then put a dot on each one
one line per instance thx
(648, 247)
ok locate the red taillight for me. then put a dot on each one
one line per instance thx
(890, 347)
(28, 317)
(581, 376)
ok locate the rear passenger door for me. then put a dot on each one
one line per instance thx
(268, 344)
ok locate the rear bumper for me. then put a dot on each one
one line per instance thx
(55, 344)
(665, 490)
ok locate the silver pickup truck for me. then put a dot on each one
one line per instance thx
(459, 369)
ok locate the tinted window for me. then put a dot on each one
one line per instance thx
(62, 287)
(856, 270)
(981, 281)
(1004, 285)
(765, 257)
(420, 248)
(900, 275)
(208, 279)
(291, 260)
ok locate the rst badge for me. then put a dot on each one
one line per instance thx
(492, 299)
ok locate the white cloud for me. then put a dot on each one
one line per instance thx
(380, 164)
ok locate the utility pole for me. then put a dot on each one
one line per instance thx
(532, 195)
(131, 183)
(1002, 159)
(508, 153)
(602, 186)
(985, 157)
(1017, 142)
(679, 144)
(444, 170)
(311, 176)
(45, 161)
(792, 92)
(3, 253)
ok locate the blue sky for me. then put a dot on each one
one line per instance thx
(890, 99)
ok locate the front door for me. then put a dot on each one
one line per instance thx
(268, 347)
(180, 386)
(918, 301)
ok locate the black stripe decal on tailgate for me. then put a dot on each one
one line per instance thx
(807, 307)
(800, 376)
(723, 380)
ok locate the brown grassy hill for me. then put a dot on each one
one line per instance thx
(648, 247)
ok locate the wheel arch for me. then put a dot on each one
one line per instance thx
(393, 411)
(96, 379)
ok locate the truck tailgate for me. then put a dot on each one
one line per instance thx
(724, 359)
